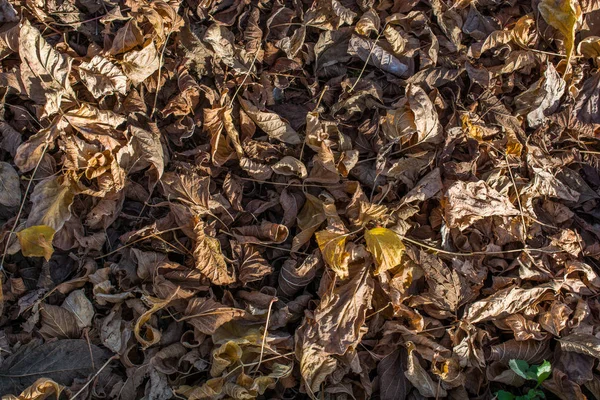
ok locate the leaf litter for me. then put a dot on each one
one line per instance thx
(335, 199)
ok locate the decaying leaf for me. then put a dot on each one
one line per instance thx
(36, 241)
(332, 248)
(386, 246)
(563, 15)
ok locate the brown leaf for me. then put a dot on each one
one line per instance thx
(393, 384)
(420, 379)
(58, 323)
(207, 315)
(271, 123)
(139, 65)
(251, 265)
(506, 302)
(209, 258)
(10, 187)
(44, 71)
(473, 201)
(102, 78)
(52, 199)
(342, 312)
(532, 351)
(582, 343)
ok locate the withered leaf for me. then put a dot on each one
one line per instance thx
(472, 201)
(101, 77)
(342, 312)
(332, 246)
(582, 343)
(393, 383)
(45, 71)
(505, 302)
(207, 315)
(386, 246)
(52, 199)
(58, 323)
(36, 241)
(271, 123)
(62, 361)
(10, 187)
(209, 258)
(420, 379)
(139, 65)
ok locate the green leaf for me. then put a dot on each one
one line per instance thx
(520, 367)
(542, 371)
(504, 395)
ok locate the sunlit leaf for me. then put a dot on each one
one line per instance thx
(36, 241)
(386, 246)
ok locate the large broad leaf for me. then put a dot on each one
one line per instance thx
(62, 361)
(139, 65)
(44, 70)
(564, 16)
(386, 247)
(52, 199)
(58, 323)
(147, 147)
(36, 241)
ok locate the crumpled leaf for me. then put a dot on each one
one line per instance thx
(419, 378)
(139, 65)
(505, 302)
(45, 71)
(386, 246)
(102, 78)
(36, 241)
(209, 259)
(473, 201)
(581, 343)
(371, 53)
(41, 389)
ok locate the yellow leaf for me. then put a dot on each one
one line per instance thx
(36, 241)
(332, 247)
(562, 15)
(41, 389)
(386, 247)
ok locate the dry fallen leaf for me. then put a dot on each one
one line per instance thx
(36, 241)
(386, 246)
